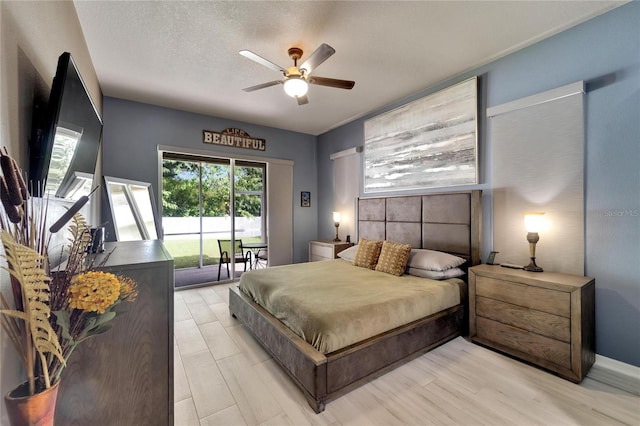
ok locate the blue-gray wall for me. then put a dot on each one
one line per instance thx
(132, 132)
(604, 52)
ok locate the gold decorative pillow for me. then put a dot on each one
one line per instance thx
(393, 258)
(367, 254)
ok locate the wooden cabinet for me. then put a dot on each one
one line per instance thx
(326, 249)
(545, 318)
(125, 376)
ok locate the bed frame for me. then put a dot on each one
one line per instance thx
(449, 222)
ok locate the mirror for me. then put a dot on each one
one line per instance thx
(132, 209)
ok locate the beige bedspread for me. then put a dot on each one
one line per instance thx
(333, 304)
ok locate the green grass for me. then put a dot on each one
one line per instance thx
(186, 252)
(193, 261)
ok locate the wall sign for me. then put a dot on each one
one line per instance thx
(236, 138)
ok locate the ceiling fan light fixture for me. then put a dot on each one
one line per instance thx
(296, 79)
(296, 86)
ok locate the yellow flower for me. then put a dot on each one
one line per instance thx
(94, 291)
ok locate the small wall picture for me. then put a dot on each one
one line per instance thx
(305, 199)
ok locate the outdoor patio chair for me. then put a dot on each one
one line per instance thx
(262, 258)
(239, 254)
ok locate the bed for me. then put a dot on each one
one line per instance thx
(446, 222)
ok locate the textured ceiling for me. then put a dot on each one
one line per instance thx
(184, 54)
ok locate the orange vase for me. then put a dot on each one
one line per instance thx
(31, 410)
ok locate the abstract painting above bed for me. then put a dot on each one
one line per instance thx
(427, 143)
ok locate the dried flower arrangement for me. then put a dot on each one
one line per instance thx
(54, 310)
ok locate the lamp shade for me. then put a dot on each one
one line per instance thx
(533, 221)
(296, 86)
(336, 217)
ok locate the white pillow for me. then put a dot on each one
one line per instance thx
(348, 254)
(433, 260)
(436, 275)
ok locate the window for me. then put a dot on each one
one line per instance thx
(197, 208)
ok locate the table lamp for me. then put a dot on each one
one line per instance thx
(533, 223)
(336, 223)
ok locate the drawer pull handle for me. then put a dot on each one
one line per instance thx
(522, 330)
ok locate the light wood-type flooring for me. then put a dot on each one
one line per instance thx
(224, 377)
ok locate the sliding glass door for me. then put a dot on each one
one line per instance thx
(199, 217)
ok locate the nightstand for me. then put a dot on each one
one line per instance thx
(326, 249)
(545, 318)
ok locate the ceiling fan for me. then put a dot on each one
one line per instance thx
(297, 78)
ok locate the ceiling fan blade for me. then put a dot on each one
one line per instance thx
(262, 61)
(332, 82)
(262, 86)
(302, 100)
(320, 55)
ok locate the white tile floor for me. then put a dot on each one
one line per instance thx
(224, 377)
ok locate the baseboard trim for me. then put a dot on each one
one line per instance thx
(617, 374)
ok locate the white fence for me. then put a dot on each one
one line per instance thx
(184, 228)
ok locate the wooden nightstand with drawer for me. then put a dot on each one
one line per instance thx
(326, 249)
(545, 318)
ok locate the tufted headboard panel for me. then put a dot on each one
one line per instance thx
(449, 222)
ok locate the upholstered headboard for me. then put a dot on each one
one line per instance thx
(449, 222)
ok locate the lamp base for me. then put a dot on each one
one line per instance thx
(336, 240)
(532, 267)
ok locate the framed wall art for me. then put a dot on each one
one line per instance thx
(428, 143)
(305, 199)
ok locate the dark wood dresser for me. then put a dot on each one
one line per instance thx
(125, 376)
(545, 318)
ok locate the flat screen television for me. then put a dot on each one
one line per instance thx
(64, 152)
